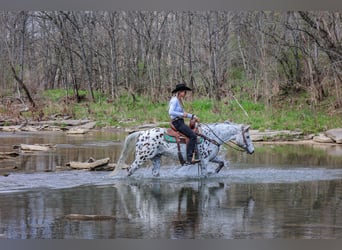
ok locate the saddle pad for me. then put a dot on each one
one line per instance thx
(172, 139)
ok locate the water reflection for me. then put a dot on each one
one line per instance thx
(189, 210)
(67, 148)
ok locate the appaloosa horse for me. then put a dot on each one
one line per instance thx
(151, 144)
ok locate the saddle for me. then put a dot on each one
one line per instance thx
(174, 136)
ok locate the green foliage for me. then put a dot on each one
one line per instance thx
(55, 94)
(237, 73)
(202, 105)
(128, 110)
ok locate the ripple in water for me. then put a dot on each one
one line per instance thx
(68, 179)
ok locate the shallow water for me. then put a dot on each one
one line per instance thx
(282, 191)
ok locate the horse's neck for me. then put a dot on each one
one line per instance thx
(224, 131)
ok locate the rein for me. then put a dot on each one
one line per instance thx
(223, 142)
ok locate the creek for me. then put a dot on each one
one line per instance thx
(282, 191)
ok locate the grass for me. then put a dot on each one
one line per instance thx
(126, 111)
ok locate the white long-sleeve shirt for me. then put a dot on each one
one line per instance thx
(176, 109)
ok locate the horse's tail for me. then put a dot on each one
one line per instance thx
(127, 148)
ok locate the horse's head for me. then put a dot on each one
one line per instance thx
(243, 140)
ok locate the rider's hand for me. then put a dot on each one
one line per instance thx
(196, 118)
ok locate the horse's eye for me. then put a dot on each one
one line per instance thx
(247, 137)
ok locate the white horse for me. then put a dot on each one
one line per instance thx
(151, 144)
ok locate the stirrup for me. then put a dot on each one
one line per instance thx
(194, 161)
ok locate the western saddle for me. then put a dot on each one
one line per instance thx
(181, 138)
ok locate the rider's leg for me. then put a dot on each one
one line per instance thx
(184, 129)
(191, 146)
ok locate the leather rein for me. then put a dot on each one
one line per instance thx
(222, 141)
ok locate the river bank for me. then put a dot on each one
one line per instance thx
(21, 145)
(69, 126)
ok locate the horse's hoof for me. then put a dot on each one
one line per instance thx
(204, 174)
(155, 174)
(218, 169)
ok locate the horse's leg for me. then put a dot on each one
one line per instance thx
(137, 163)
(203, 165)
(144, 150)
(221, 164)
(156, 165)
(134, 167)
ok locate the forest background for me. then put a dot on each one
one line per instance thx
(270, 69)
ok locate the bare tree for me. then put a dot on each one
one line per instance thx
(19, 28)
(264, 53)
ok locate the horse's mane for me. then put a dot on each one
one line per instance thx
(225, 122)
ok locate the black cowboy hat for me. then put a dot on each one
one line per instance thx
(180, 87)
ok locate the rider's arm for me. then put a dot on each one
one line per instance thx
(176, 110)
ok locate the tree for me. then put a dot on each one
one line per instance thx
(17, 36)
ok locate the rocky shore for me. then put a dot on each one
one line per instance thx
(332, 136)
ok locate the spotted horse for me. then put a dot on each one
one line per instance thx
(151, 144)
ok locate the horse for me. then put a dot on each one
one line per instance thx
(151, 144)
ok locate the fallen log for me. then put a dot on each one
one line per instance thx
(108, 167)
(88, 217)
(35, 147)
(91, 164)
(77, 131)
(8, 155)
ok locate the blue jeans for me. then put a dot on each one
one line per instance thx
(184, 129)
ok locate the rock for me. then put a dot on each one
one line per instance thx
(77, 131)
(281, 135)
(82, 129)
(308, 137)
(322, 139)
(63, 122)
(89, 125)
(335, 134)
(10, 128)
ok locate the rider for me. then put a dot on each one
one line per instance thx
(177, 115)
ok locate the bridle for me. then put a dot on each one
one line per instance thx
(238, 148)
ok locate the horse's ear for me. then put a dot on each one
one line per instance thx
(247, 128)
